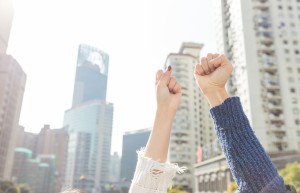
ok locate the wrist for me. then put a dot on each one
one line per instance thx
(216, 97)
(165, 113)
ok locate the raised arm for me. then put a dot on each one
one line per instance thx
(152, 173)
(250, 166)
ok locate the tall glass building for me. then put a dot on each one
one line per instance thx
(89, 123)
(91, 75)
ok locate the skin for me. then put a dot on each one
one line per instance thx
(168, 94)
(211, 75)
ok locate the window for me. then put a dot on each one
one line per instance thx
(289, 69)
(292, 25)
(279, 7)
(291, 79)
(292, 90)
(295, 42)
(290, 8)
(285, 41)
(286, 51)
(287, 59)
(296, 111)
(297, 52)
(294, 100)
(297, 122)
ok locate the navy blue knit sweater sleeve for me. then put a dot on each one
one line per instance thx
(250, 166)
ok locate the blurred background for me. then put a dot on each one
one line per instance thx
(77, 88)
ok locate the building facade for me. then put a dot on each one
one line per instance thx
(12, 85)
(47, 142)
(38, 173)
(115, 168)
(192, 126)
(89, 123)
(132, 142)
(261, 38)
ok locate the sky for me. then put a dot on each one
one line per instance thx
(137, 35)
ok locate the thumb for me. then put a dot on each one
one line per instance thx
(159, 74)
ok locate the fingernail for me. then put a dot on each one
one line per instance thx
(169, 68)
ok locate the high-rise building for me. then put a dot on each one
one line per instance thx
(6, 17)
(38, 173)
(115, 167)
(89, 123)
(261, 38)
(12, 85)
(132, 142)
(192, 126)
(48, 142)
(91, 75)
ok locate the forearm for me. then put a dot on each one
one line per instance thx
(152, 174)
(251, 167)
(158, 143)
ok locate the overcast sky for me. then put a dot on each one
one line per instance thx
(137, 34)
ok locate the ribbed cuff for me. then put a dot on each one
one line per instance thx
(153, 176)
(230, 113)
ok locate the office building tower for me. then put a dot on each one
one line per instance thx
(48, 142)
(12, 85)
(192, 126)
(38, 173)
(115, 168)
(89, 123)
(266, 60)
(6, 17)
(91, 75)
(132, 142)
(261, 38)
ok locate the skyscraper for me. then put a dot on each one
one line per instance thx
(262, 40)
(91, 75)
(12, 85)
(115, 167)
(132, 141)
(192, 127)
(89, 123)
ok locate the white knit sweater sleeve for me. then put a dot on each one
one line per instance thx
(152, 176)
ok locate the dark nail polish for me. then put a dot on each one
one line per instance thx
(169, 68)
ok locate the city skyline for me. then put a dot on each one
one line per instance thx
(137, 41)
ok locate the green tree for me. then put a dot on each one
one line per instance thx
(7, 187)
(291, 174)
(24, 188)
(232, 187)
(176, 189)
